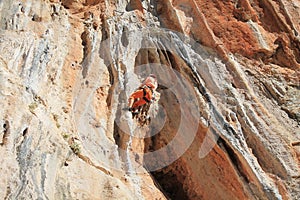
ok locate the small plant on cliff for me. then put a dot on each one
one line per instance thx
(65, 135)
(55, 117)
(32, 107)
(75, 148)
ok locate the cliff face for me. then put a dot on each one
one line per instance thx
(226, 125)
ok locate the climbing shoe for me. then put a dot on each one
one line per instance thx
(132, 110)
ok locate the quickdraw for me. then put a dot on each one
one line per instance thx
(145, 93)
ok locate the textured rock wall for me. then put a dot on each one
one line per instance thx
(54, 144)
(265, 43)
(226, 125)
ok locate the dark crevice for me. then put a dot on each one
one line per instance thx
(233, 157)
(172, 61)
(116, 134)
(104, 28)
(6, 133)
(124, 37)
(119, 135)
(233, 85)
(86, 51)
(24, 133)
(111, 89)
(297, 143)
(165, 56)
(110, 68)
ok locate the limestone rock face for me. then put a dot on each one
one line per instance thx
(226, 125)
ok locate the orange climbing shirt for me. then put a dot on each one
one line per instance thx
(141, 97)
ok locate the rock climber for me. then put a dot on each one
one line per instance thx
(144, 94)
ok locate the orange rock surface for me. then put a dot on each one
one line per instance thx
(226, 125)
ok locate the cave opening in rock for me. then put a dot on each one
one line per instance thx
(169, 179)
(169, 184)
(166, 178)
